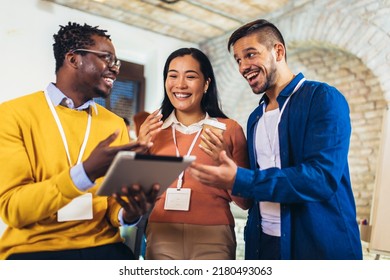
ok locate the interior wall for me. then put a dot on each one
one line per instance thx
(26, 36)
(367, 104)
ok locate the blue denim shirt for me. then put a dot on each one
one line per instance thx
(318, 215)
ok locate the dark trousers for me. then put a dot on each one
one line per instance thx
(117, 251)
(270, 247)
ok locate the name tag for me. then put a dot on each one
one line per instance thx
(80, 208)
(177, 199)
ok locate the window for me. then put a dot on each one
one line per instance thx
(128, 93)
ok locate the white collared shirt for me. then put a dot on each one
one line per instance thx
(193, 128)
(57, 97)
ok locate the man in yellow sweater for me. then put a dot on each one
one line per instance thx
(55, 146)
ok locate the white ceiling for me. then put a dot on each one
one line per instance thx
(189, 20)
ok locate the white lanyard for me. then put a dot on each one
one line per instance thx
(62, 132)
(180, 179)
(281, 113)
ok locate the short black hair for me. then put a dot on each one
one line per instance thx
(260, 26)
(74, 36)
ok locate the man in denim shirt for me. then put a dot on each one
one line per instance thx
(298, 141)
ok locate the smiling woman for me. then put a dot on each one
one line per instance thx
(191, 98)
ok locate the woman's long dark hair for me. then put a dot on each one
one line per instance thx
(210, 101)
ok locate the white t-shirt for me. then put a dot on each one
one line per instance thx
(268, 155)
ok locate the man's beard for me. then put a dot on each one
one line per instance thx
(262, 89)
(269, 81)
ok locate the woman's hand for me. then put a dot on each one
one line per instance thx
(213, 145)
(150, 127)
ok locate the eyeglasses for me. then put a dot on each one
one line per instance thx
(109, 58)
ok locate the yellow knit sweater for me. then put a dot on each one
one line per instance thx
(35, 177)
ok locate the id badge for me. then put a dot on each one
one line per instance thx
(80, 208)
(177, 199)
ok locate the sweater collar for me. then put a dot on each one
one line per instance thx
(59, 98)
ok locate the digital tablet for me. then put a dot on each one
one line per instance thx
(130, 168)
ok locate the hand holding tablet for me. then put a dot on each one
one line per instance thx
(130, 168)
